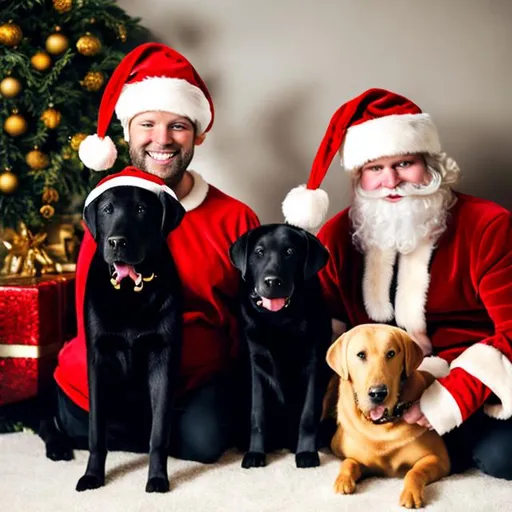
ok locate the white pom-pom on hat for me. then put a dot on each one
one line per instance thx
(97, 153)
(305, 208)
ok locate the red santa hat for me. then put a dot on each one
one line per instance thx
(129, 177)
(376, 124)
(150, 77)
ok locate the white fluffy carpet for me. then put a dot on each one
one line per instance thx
(29, 482)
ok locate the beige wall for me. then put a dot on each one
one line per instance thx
(278, 69)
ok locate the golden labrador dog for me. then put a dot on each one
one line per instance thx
(378, 379)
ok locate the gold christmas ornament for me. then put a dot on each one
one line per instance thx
(10, 34)
(41, 61)
(63, 5)
(76, 140)
(121, 30)
(27, 256)
(49, 195)
(37, 160)
(51, 118)
(8, 182)
(93, 81)
(15, 125)
(88, 45)
(10, 87)
(47, 211)
(57, 43)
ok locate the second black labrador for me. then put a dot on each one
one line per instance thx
(133, 323)
(287, 331)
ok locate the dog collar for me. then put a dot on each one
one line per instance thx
(137, 278)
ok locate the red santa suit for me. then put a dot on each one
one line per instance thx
(200, 248)
(460, 292)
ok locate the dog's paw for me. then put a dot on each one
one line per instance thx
(344, 484)
(157, 484)
(307, 459)
(88, 482)
(412, 497)
(254, 460)
(59, 449)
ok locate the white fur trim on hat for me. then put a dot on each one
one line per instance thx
(174, 95)
(388, 136)
(305, 208)
(97, 153)
(128, 181)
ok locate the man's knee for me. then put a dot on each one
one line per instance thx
(203, 441)
(492, 452)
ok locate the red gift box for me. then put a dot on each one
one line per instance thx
(36, 317)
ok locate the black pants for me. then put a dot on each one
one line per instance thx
(484, 443)
(201, 430)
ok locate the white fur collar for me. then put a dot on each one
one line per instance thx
(412, 287)
(197, 194)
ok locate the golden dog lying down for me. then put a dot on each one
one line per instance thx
(378, 378)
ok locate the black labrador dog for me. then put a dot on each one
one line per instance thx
(133, 323)
(287, 330)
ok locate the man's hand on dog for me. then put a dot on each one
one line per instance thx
(414, 415)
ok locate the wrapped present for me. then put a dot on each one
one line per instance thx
(36, 317)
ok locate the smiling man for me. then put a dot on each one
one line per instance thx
(166, 110)
(412, 252)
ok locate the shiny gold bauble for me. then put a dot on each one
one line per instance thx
(8, 182)
(15, 125)
(49, 195)
(51, 118)
(10, 87)
(57, 43)
(88, 45)
(10, 34)
(41, 61)
(93, 81)
(121, 30)
(37, 160)
(76, 140)
(62, 5)
(47, 211)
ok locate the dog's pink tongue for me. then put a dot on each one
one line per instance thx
(273, 304)
(377, 413)
(123, 270)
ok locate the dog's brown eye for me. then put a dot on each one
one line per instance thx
(259, 251)
(108, 208)
(391, 354)
(361, 355)
(290, 251)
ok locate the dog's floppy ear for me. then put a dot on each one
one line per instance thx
(239, 252)
(413, 355)
(316, 255)
(173, 212)
(337, 356)
(89, 216)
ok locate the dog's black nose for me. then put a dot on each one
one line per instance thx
(378, 394)
(273, 282)
(117, 241)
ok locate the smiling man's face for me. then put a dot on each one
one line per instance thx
(162, 144)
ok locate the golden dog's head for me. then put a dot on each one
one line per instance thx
(376, 359)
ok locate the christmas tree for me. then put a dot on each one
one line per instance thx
(55, 59)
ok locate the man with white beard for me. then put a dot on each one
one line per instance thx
(412, 252)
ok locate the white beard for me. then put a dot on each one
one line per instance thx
(402, 225)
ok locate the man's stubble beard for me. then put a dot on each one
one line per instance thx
(173, 173)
